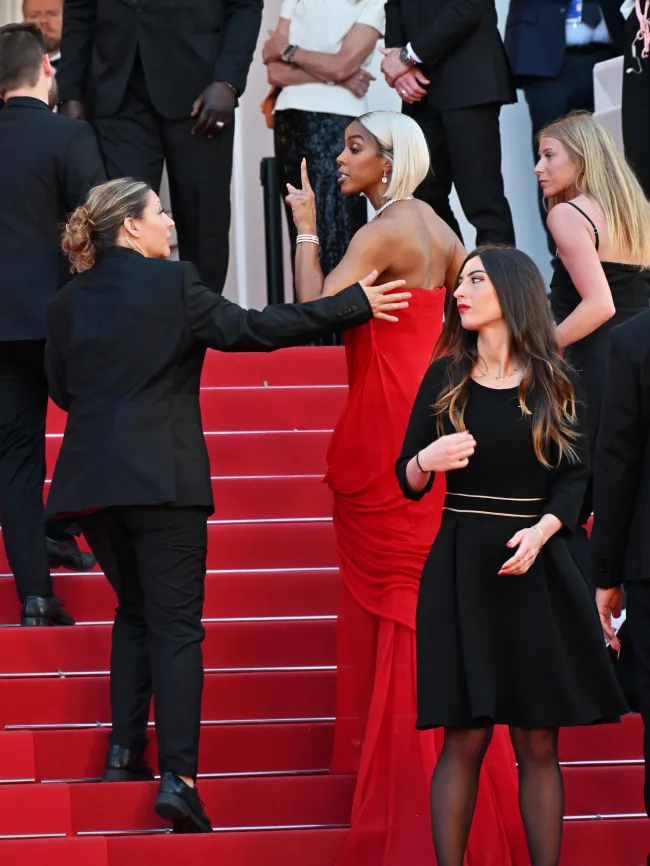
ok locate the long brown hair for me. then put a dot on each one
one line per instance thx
(522, 297)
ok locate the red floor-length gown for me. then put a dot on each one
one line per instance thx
(383, 541)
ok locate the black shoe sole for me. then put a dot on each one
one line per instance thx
(174, 809)
(39, 621)
(56, 562)
(114, 775)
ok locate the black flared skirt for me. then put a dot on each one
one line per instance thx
(524, 650)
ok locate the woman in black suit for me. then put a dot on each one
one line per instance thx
(127, 340)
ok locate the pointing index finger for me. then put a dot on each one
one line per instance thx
(304, 176)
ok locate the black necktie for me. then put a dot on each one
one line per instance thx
(591, 14)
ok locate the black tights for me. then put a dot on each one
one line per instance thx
(455, 785)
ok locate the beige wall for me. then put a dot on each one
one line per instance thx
(10, 10)
(247, 276)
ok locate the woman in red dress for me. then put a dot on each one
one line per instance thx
(383, 540)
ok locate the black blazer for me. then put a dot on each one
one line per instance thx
(535, 39)
(460, 47)
(620, 541)
(124, 355)
(47, 165)
(184, 45)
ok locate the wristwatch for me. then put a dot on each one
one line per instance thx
(406, 58)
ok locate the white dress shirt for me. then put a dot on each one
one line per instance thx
(322, 25)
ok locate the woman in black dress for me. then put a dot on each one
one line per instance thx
(600, 221)
(507, 632)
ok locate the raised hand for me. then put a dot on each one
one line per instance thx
(448, 452)
(382, 303)
(303, 203)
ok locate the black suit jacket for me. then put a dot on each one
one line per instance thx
(620, 539)
(184, 45)
(47, 165)
(124, 355)
(460, 47)
(535, 39)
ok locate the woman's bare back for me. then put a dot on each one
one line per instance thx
(408, 241)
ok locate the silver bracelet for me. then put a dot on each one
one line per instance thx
(308, 239)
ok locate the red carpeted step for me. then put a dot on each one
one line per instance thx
(89, 597)
(17, 757)
(609, 842)
(262, 545)
(235, 454)
(56, 852)
(63, 755)
(226, 697)
(606, 790)
(291, 408)
(28, 810)
(230, 803)
(264, 848)
(85, 649)
(622, 742)
(310, 365)
(260, 498)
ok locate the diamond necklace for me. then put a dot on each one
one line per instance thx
(389, 203)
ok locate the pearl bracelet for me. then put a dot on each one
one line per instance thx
(308, 239)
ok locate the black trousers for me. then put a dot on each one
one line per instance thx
(465, 147)
(23, 410)
(638, 627)
(137, 141)
(549, 99)
(636, 99)
(155, 559)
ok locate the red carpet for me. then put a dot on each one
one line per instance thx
(271, 601)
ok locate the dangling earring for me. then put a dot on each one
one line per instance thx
(133, 246)
(384, 178)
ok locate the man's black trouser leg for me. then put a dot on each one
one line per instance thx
(23, 409)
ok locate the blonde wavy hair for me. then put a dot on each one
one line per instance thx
(95, 225)
(605, 177)
(401, 141)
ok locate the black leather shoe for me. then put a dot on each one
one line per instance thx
(124, 765)
(48, 610)
(66, 554)
(181, 805)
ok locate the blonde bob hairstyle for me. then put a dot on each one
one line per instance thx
(604, 176)
(95, 225)
(400, 140)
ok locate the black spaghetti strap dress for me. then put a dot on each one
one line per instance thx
(630, 289)
(524, 650)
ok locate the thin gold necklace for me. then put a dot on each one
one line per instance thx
(488, 375)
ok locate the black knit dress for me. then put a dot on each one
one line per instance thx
(524, 650)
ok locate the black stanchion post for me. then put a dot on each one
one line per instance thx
(272, 231)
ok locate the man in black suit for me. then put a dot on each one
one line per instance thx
(165, 79)
(553, 49)
(620, 541)
(47, 165)
(446, 60)
(127, 340)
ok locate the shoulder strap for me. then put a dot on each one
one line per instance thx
(588, 218)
